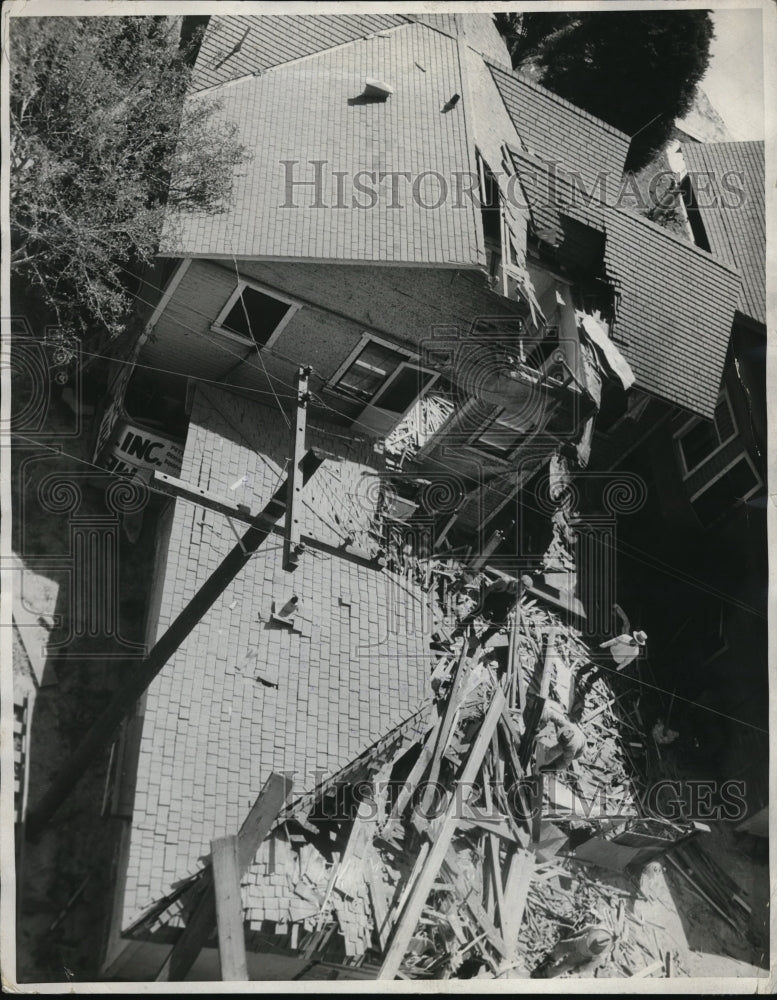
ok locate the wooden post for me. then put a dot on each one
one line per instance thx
(254, 829)
(446, 725)
(292, 540)
(489, 547)
(141, 673)
(516, 893)
(229, 909)
(426, 871)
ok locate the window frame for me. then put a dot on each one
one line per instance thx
(475, 443)
(693, 422)
(243, 283)
(367, 338)
(722, 472)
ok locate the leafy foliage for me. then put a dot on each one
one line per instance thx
(637, 70)
(101, 141)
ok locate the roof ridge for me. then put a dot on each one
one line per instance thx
(261, 74)
(726, 142)
(527, 80)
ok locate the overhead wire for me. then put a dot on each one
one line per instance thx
(638, 554)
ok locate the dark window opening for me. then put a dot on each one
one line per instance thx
(369, 371)
(490, 210)
(255, 315)
(701, 440)
(694, 215)
(500, 437)
(718, 498)
(404, 389)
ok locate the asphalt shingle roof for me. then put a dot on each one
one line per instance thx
(310, 110)
(355, 666)
(731, 201)
(675, 303)
(235, 46)
(557, 131)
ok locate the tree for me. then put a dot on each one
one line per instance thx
(101, 141)
(637, 70)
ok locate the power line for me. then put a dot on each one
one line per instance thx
(655, 687)
(636, 553)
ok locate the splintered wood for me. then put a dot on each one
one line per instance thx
(454, 851)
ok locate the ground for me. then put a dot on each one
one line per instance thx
(70, 868)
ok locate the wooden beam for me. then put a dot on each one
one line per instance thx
(426, 871)
(517, 892)
(417, 772)
(141, 673)
(496, 865)
(468, 896)
(292, 540)
(446, 725)
(493, 543)
(229, 909)
(253, 830)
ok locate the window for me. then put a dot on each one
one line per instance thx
(738, 482)
(500, 436)
(255, 314)
(699, 440)
(365, 372)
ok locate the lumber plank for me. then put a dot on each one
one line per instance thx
(446, 727)
(468, 895)
(443, 834)
(516, 891)
(229, 909)
(253, 830)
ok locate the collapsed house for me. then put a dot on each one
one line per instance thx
(461, 357)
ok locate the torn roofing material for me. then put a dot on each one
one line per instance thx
(307, 122)
(557, 131)
(674, 303)
(247, 695)
(730, 195)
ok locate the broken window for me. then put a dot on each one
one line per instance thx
(500, 436)
(699, 440)
(255, 314)
(738, 482)
(370, 370)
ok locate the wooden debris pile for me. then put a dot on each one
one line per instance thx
(424, 420)
(457, 856)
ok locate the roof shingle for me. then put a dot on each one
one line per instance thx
(731, 204)
(311, 111)
(557, 131)
(235, 46)
(354, 666)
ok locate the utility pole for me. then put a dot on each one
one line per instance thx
(292, 542)
(141, 674)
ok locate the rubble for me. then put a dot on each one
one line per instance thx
(454, 853)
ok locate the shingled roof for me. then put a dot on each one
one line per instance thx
(557, 131)
(311, 109)
(355, 665)
(731, 204)
(675, 303)
(234, 46)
